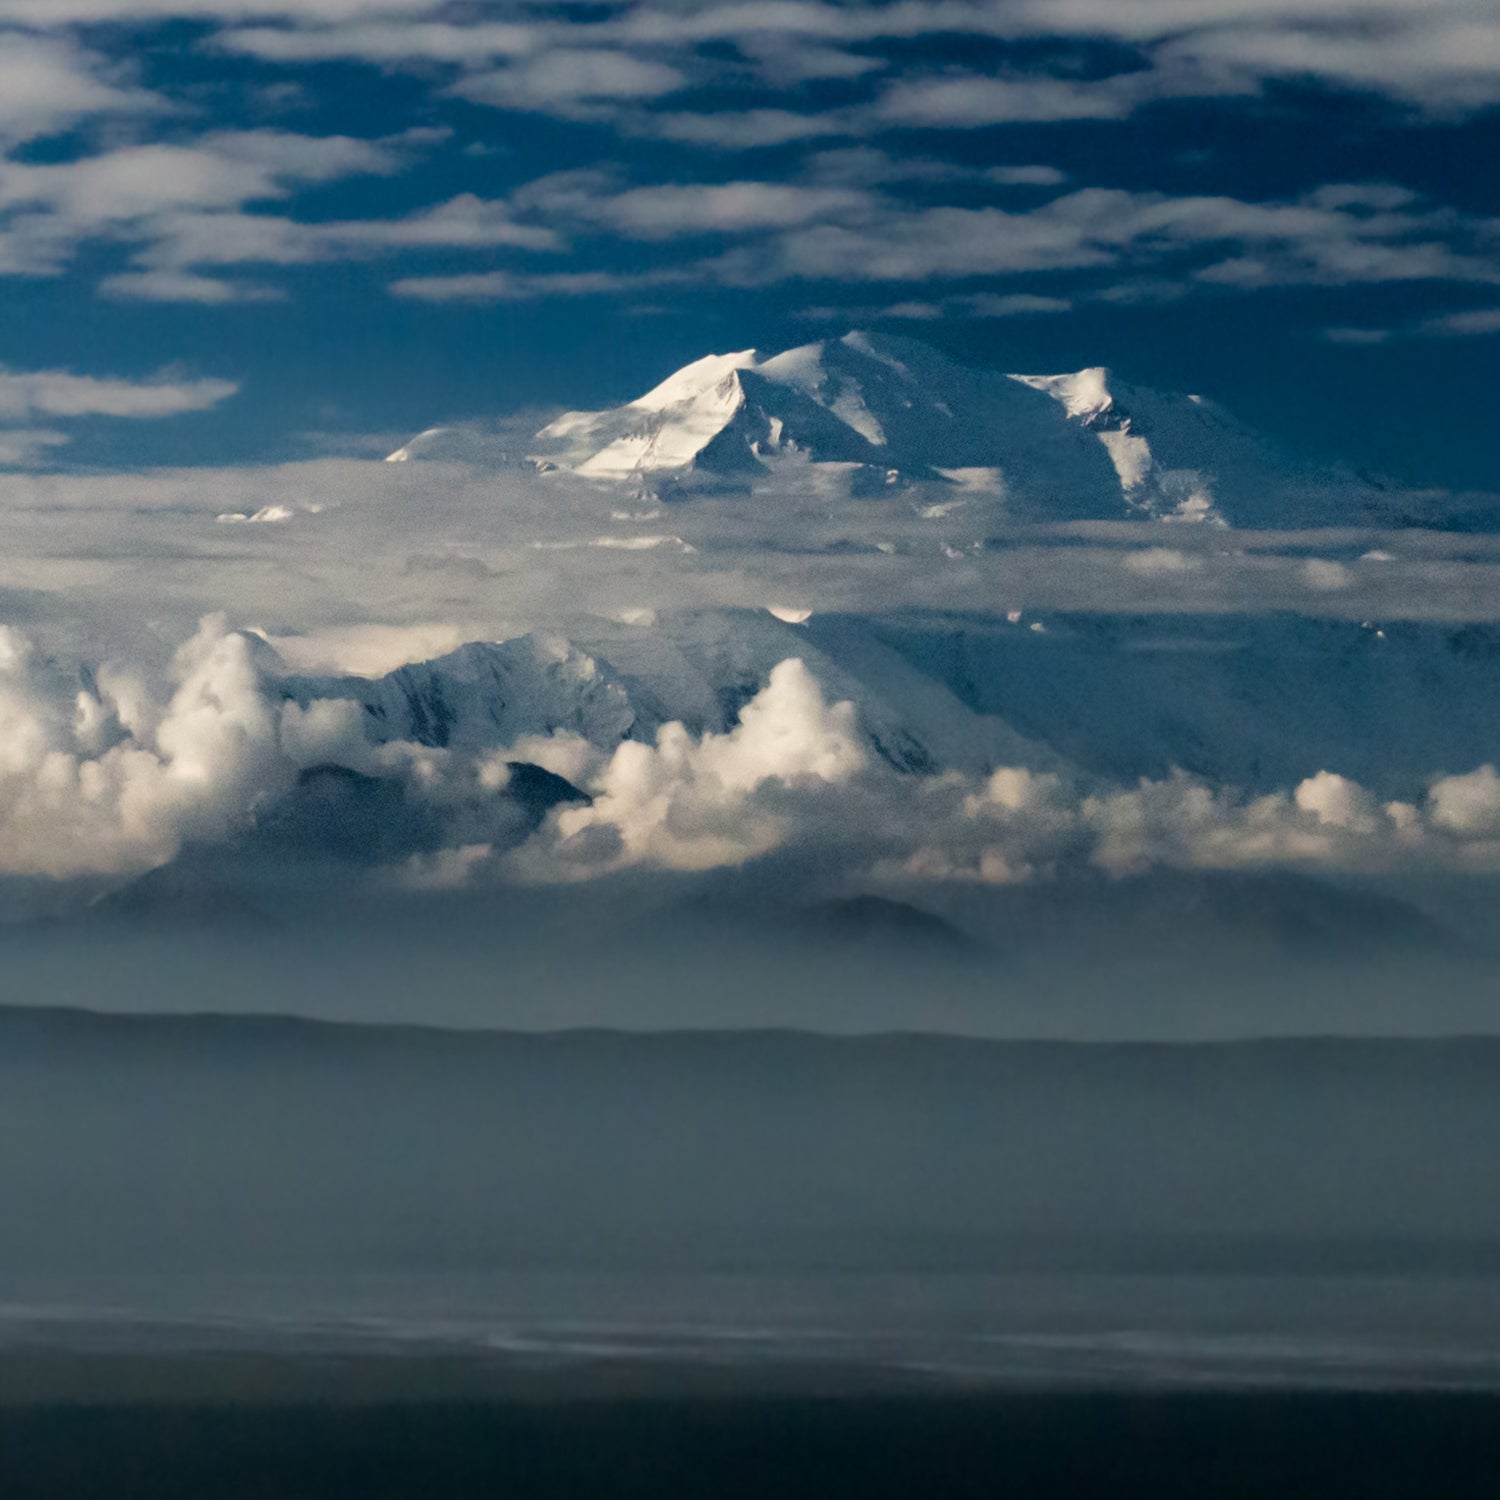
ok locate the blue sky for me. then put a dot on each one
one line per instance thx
(303, 225)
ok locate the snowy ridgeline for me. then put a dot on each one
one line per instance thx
(1252, 702)
(871, 413)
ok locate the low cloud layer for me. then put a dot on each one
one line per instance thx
(111, 772)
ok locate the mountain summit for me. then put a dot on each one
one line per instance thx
(868, 414)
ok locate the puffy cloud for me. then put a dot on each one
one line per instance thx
(116, 785)
(108, 774)
(1337, 801)
(1467, 805)
(326, 731)
(721, 800)
(103, 774)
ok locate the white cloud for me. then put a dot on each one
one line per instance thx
(1338, 802)
(1037, 175)
(111, 773)
(180, 245)
(566, 80)
(688, 804)
(222, 170)
(115, 786)
(369, 650)
(385, 42)
(720, 208)
(1473, 323)
(184, 286)
(1303, 241)
(1444, 57)
(49, 84)
(1323, 575)
(183, 203)
(744, 130)
(971, 100)
(58, 393)
(1010, 305)
(1359, 338)
(24, 447)
(506, 286)
(1154, 562)
(41, 13)
(1468, 805)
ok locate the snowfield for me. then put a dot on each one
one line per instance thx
(882, 412)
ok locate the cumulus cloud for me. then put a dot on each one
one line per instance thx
(113, 771)
(696, 805)
(1468, 805)
(111, 784)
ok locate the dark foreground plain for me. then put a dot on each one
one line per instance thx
(1079, 1447)
(218, 1143)
(260, 1259)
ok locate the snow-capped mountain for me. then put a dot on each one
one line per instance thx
(1251, 702)
(486, 695)
(872, 413)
